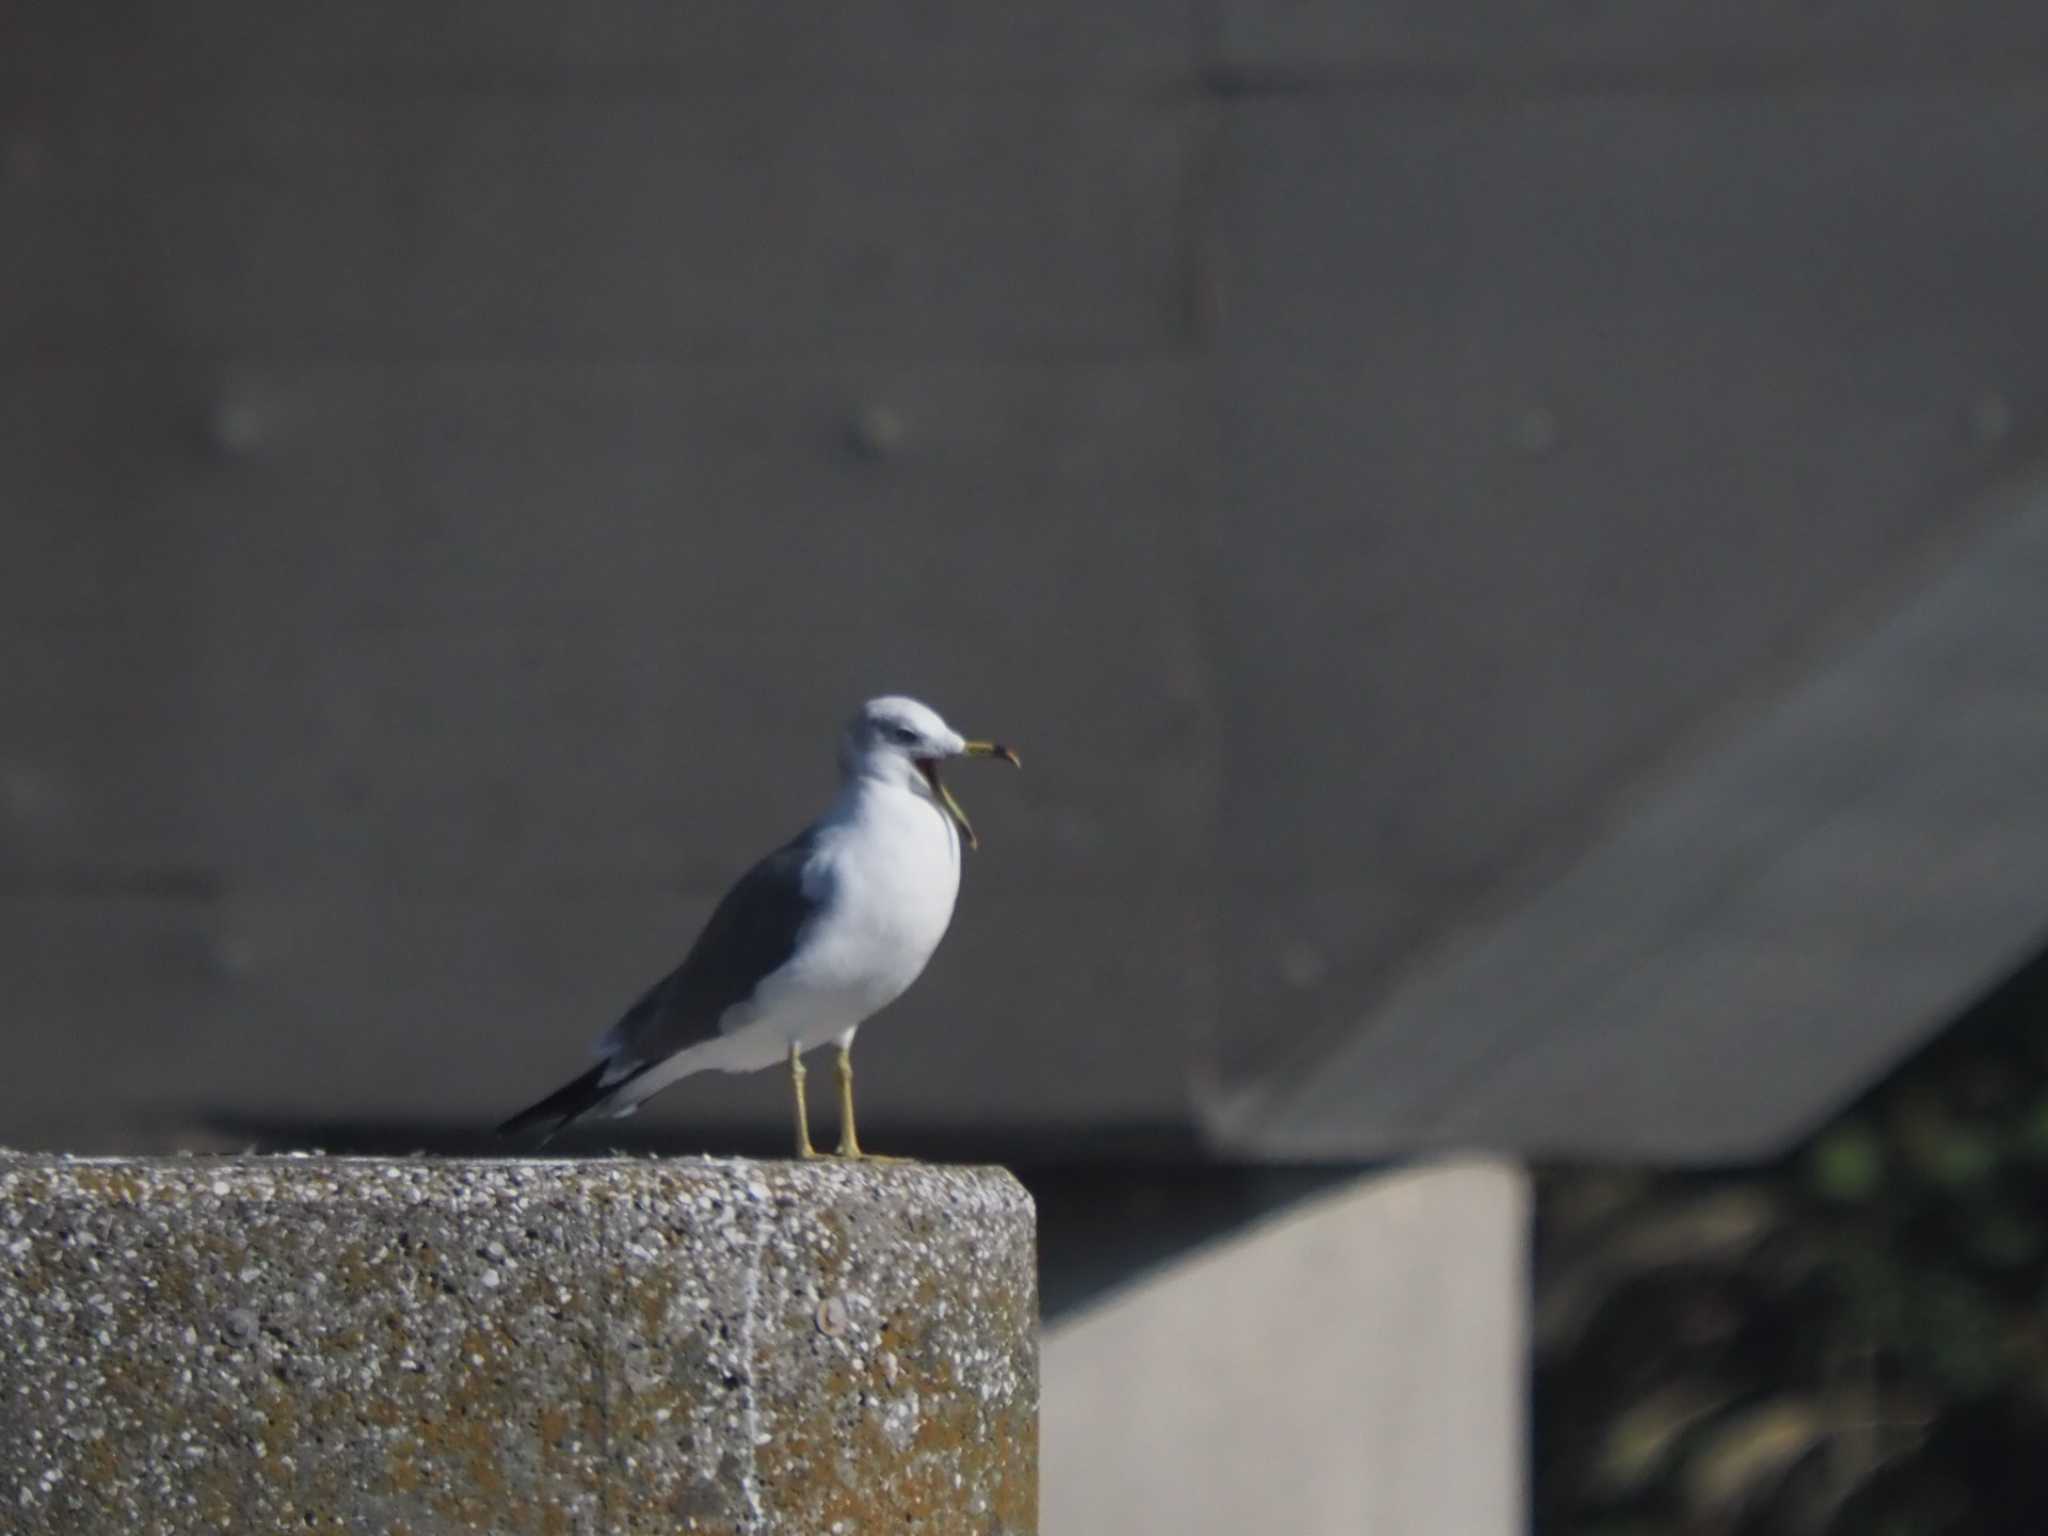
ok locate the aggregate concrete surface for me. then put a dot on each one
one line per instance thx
(421, 1347)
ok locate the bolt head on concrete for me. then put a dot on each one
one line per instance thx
(555, 1347)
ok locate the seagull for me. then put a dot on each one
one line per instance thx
(815, 939)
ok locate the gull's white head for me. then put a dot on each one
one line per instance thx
(901, 742)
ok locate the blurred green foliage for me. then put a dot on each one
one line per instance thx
(1851, 1340)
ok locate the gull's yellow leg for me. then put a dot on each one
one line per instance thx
(796, 1091)
(849, 1143)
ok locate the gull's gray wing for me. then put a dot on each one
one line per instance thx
(751, 934)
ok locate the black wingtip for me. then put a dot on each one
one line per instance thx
(560, 1107)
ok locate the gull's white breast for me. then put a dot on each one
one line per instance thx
(890, 859)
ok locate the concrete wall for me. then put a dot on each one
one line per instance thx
(457, 463)
(1357, 1366)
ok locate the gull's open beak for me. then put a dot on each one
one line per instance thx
(929, 766)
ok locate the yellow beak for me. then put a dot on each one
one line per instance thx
(971, 749)
(992, 749)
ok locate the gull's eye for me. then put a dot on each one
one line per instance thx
(902, 735)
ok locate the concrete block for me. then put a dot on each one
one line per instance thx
(547, 1346)
(1356, 1366)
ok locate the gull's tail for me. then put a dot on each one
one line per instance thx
(572, 1101)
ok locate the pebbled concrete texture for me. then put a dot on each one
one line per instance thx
(421, 1347)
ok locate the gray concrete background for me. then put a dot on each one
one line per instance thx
(458, 463)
